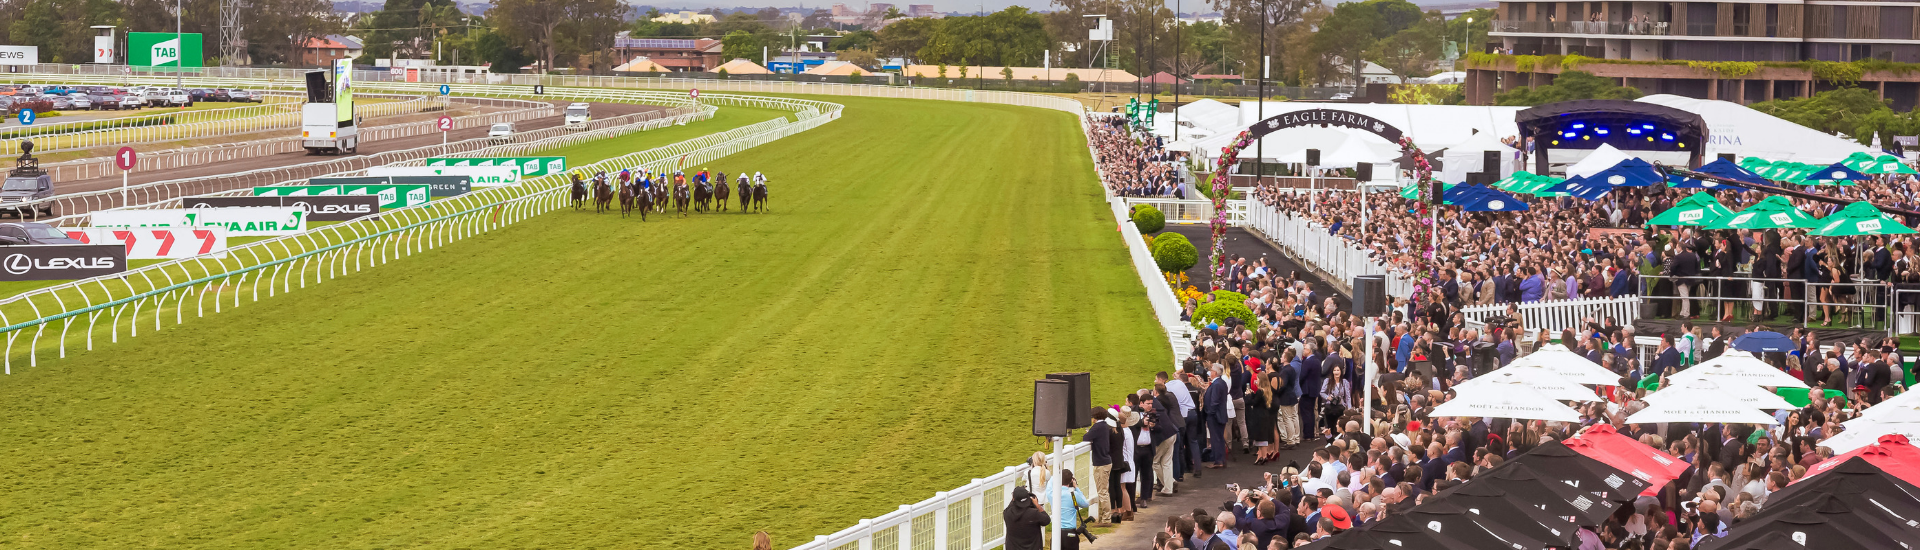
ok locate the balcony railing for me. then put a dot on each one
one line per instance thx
(1587, 27)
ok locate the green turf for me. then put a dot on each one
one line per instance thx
(587, 381)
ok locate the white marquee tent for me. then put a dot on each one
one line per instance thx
(1735, 128)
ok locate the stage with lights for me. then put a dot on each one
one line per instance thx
(1566, 132)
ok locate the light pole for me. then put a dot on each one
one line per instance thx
(179, 61)
(1468, 39)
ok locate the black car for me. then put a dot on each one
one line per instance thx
(196, 94)
(218, 94)
(33, 233)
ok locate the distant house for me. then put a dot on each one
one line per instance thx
(321, 51)
(742, 66)
(837, 68)
(641, 65)
(675, 55)
(1161, 78)
(1221, 78)
(687, 17)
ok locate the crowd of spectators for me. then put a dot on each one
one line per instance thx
(1135, 164)
(1565, 247)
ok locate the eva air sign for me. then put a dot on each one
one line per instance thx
(529, 166)
(163, 49)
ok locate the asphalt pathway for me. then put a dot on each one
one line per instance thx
(1246, 244)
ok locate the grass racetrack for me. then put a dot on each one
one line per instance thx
(584, 381)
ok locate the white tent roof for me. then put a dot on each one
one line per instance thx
(1539, 379)
(1735, 128)
(1733, 393)
(1572, 366)
(1338, 149)
(1433, 127)
(1740, 366)
(1505, 400)
(1602, 158)
(1210, 115)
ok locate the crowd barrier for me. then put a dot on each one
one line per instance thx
(1336, 258)
(329, 252)
(965, 518)
(168, 159)
(1554, 316)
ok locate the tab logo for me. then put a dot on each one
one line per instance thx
(530, 167)
(166, 52)
(416, 196)
(1691, 215)
(557, 165)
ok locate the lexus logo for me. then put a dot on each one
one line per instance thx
(333, 208)
(19, 264)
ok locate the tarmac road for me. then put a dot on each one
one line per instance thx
(600, 110)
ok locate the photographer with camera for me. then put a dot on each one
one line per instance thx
(1026, 522)
(1067, 505)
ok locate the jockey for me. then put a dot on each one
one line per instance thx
(758, 178)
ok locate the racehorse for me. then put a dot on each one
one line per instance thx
(602, 194)
(680, 197)
(759, 196)
(660, 198)
(579, 192)
(702, 196)
(626, 199)
(746, 193)
(643, 201)
(720, 193)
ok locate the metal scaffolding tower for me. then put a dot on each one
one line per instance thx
(233, 44)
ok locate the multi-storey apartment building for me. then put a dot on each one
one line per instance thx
(1648, 45)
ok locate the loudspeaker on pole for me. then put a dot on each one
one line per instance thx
(1051, 399)
(1080, 406)
(1313, 157)
(1369, 295)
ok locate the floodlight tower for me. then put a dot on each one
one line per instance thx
(232, 44)
(1102, 32)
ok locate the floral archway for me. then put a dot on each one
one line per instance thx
(1230, 156)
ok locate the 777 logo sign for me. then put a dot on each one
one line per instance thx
(154, 243)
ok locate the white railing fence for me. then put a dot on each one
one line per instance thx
(185, 125)
(1554, 316)
(965, 518)
(1338, 259)
(324, 253)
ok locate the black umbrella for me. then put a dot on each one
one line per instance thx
(1550, 492)
(1770, 541)
(1830, 523)
(1394, 537)
(1555, 461)
(1763, 341)
(1859, 483)
(1496, 506)
(1449, 519)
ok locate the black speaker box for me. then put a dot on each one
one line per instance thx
(1051, 399)
(1369, 295)
(1313, 157)
(1080, 410)
(1363, 171)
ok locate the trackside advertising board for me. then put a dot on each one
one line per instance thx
(59, 262)
(164, 49)
(327, 208)
(478, 176)
(437, 186)
(529, 166)
(391, 196)
(155, 243)
(239, 222)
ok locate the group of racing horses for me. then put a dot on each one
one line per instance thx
(653, 193)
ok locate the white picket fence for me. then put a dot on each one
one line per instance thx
(1193, 211)
(965, 518)
(1554, 316)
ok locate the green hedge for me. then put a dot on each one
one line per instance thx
(1174, 253)
(1148, 219)
(1229, 296)
(1218, 311)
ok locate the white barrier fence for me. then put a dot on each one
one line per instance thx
(183, 125)
(331, 251)
(1192, 211)
(965, 518)
(169, 159)
(1554, 316)
(1337, 258)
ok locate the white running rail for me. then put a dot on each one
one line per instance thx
(86, 134)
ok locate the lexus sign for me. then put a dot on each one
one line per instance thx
(19, 55)
(61, 262)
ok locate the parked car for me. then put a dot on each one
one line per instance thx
(28, 102)
(197, 94)
(26, 187)
(131, 101)
(155, 97)
(179, 98)
(103, 100)
(33, 233)
(501, 132)
(80, 101)
(237, 94)
(59, 102)
(218, 94)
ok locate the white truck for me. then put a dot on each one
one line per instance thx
(323, 126)
(577, 116)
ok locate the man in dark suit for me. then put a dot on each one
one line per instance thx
(1622, 279)
(1100, 439)
(1449, 287)
(1767, 266)
(1500, 288)
(1310, 382)
(1666, 358)
(1683, 268)
(1877, 376)
(1795, 268)
(1217, 404)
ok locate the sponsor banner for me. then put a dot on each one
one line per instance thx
(319, 208)
(438, 186)
(61, 262)
(250, 222)
(157, 242)
(477, 176)
(164, 49)
(19, 55)
(103, 51)
(529, 166)
(138, 218)
(350, 180)
(343, 91)
(297, 190)
(391, 196)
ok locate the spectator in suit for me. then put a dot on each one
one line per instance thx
(1683, 268)
(1218, 409)
(1667, 357)
(1311, 379)
(1533, 288)
(1100, 438)
(1622, 279)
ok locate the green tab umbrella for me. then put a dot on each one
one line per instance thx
(1411, 192)
(1772, 212)
(1887, 164)
(1518, 177)
(1859, 160)
(1696, 209)
(1860, 218)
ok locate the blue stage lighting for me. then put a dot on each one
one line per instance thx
(1666, 136)
(1647, 126)
(1632, 130)
(1601, 131)
(1579, 125)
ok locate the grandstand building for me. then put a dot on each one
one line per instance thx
(674, 55)
(1683, 48)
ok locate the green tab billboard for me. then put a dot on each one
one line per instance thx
(529, 166)
(164, 49)
(391, 196)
